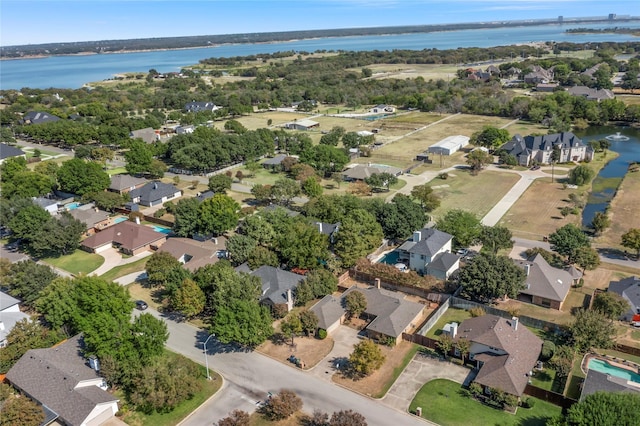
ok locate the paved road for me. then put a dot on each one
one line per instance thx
(249, 376)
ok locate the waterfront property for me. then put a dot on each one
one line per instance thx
(539, 149)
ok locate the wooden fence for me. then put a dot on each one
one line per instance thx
(151, 219)
(549, 396)
(628, 349)
(371, 279)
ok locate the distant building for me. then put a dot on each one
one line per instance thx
(148, 135)
(51, 206)
(590, 94)
(361, 172)
(301, 125)
(447, 146)
(201, 107)
(8, 151)
(39, 117)
(538, 75)
(539, 148)
(382, 109)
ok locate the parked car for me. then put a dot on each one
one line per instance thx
(536, 167)
(141, 305)
(462, 252)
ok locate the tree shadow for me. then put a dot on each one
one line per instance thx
(533, 421)
(214, 346)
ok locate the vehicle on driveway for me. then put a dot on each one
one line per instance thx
(141, 305)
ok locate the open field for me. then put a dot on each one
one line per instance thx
(623, 212)
(477, 194)
(78, 262)
(629, 99)
(405, 71)
(442, 402)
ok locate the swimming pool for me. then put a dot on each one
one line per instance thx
(604, 367)
(390, 258)
(119, 219)
(161, 229)
(73, 206)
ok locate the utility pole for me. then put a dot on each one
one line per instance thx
(204, 351)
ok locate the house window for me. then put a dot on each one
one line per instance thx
(545, 303)
(422, 257)
(456, 352)
(472, 357)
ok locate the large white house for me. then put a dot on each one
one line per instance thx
(429, 252)
(538, 149)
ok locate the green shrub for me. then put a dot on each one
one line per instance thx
(322, 334)
(548, 349)
(159, 213)
(475, 389)
(528, 403)
(477, 312)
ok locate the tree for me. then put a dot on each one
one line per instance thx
(465, 227)
(586, 258)
(159, 266)
(318, 418)
(611, 305)
(25, 335)
(139, 158)
(496, 238)
(262, 256)
(309, 321)
(302, 245)
(489, 277)
(347, 418)
(240, 248)
(29, 221)
(356, 303)
(490, 137)
(82, 177)
(149, 336)
(591, 329)
(358, 235)
(445, 344)
(291, 326)
(567, 239)
(18, 410)
(311, 187)
(220, 183)
(188, 299)
(242, 321)
(284, 190)
(262, 193)
(218, 214)
(381, 180)
(429, 201)
(400, 217)
(106, 200)
(581, 175)
(27, 280)
(186, 217)
(600, 222)
(463, 346)
(605, 408)
(281, 405)
(325, 158)
(365, 358)
(57, 303)
(631, 240)
(258, 228)
(58, 236)
(478, 159)
(236, 418)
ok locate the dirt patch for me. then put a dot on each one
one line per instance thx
(308, 349)
(376, 382)
(623, 212)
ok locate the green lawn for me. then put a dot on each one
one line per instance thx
(116, 171)
(544, 379)
(121, 271)
(442, 403)
(78, 262)
(452, 314)
(174, 417)
(398, 370)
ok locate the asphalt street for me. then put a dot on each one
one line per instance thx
(249, 377)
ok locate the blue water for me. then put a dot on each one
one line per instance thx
(603, 367)
(629, 152)
(161, 229)
(73, 206)
(74, 71)
(119, 219)
(390, 258)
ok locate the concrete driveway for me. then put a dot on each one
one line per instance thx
(344, 338)
(421, 370)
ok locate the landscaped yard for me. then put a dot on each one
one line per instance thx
(452, 315)
(121, 271)
(78, 262)
(441, 402)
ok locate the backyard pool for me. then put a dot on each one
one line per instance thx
(606, 368)
(161, 229)
(390, 258)
(73, 206)
(119, 219)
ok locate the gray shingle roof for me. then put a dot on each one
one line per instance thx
(122, 182)
(51, 375)
(543, 280)
(275, 161)
(9, 320)
(629, 288)
(153, 192)
(276, 282)
(602, 382)
(7, 151)
(90, 217)
(38, 117)
(444, 261)
(431, 242)
(7, 301)
(503, 371)
(519, 145)
(328, 310)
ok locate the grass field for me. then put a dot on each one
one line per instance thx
(121, 271)
(623, 212)
(78, 262)
(452, 314)
(442, 403)
(477, 194)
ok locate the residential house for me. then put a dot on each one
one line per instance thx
(328, 229)
(278, 285)
(361, 172)
(148, 135)
(274, 162)
(92, 217)
(538, 75)
(603, 382)
(493, 70)
(389, 312)
(10, 315)
(382, 109)
(275, 207)
(305, 124)
(629, 289)
(539, 148)
(194, 254)
(39, 117)
(154, 193)
(51, 206)
(66, 383)
(513, 72)
(591, 94)
(505, 352)
(546, 87)
(545, 285)
(125, 183)
(429, 252)
(130, 238)
(8, 151)
(205, 195)
(200, 107)
(478, 75)
(185, 130)
(589, 72)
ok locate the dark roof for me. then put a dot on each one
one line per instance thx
(121, 182)
(51, 375)
(545, 281)
(38, 117)
(153, 191)
(200, 106)
(519, 145)
(90, 217)
(205, 195)
(431, 242)
(276, 282)
(629, 288)
(327, 228)
(516, 351)
(328, 310)
(8, 151)
(275, 161)
(591, 94)
(443, 261)
(7, 301)
(602, 382)
(128, 235)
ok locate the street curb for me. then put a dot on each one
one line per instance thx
(224, 384)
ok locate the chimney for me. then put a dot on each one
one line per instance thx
(289, 300)
(377, 280)
(138, 220)
(514, 323)
(527, 269)
(94, 363)
(417, 236)
(155, 185)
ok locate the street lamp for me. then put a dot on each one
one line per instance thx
(204, 351)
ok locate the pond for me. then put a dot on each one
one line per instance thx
(626, 142)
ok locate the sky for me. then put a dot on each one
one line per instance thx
(55, 21)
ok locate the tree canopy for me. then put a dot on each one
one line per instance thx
(567, 239)
(488, 277)
(463, 225)
(81, 177)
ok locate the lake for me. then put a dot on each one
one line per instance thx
(628, 150)
(74, 71)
